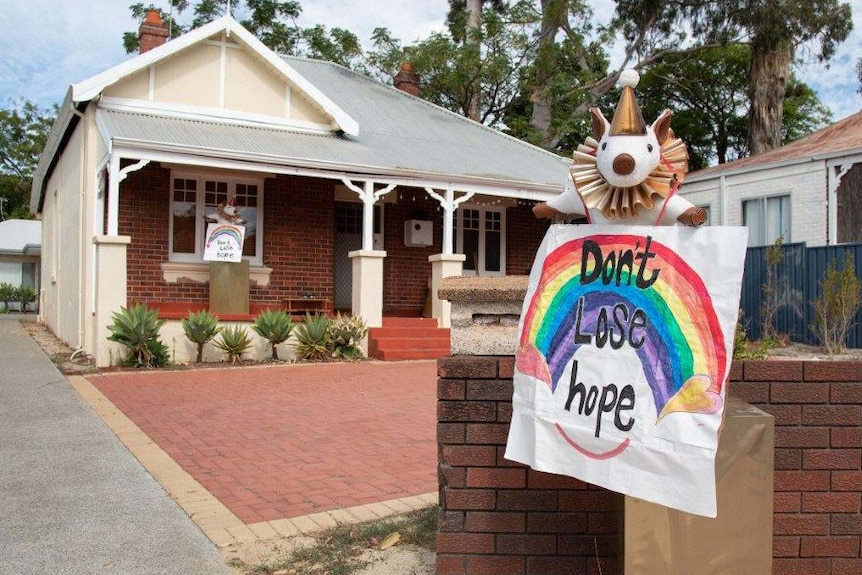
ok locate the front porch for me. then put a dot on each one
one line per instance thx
(313, 244)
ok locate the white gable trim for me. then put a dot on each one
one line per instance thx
(92, 87)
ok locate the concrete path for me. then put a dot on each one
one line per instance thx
(73, 500)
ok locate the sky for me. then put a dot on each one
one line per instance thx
(47, 45)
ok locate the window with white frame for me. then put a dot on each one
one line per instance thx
(194, 197)
(480, 235)
(767, 219)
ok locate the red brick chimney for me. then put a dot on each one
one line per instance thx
(153, 32)
(407, 80)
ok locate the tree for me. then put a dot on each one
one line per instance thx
(24, 129)
(273, 22)
(452, 72)
(708, 93)
(774, 29)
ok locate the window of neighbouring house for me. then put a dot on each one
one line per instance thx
(767, 219)
(480, 236)
(193, 198)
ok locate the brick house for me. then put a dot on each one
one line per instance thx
(359, 197)
(807, 191)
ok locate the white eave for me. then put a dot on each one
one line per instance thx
(92, 87)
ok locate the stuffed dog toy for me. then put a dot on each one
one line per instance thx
(627, 173)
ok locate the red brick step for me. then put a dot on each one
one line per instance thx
(404, 338)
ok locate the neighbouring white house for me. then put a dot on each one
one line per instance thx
(20, 252)
(807, 191)
(359, 197)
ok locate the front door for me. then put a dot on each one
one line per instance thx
(348, 238)
(480, 235)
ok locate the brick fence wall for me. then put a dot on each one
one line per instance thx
(502, 518)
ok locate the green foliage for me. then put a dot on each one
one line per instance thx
(24, 128)
(742, 349)
(347, 332)
(769, 291)
(234, 341)
(7, 294)
(137, 328)
(200, 328)
(24, 295)
(273, 22)
(313, 337)
(840, 299)
(274, 326)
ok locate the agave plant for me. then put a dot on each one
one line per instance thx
(234, 341)
(274, 326)
(137, 328)
(347, 331)
(313, 337)
(200, 328)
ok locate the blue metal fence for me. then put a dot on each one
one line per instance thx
(798, 277)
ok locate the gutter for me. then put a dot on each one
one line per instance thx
(336, 170)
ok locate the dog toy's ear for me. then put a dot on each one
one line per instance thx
(600, 123)
(661, 126)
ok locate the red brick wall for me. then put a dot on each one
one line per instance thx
(501, 518)
(406, 269)
(817, 407)
(524, 233)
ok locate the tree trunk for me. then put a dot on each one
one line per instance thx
(474, 25)
(768, 74)
(553, 16)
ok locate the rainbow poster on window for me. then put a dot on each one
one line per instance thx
(625, 345)
(224, 243)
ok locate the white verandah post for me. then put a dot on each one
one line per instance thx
(447, 263)
(367, 285)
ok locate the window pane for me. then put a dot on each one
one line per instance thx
(752, 217)
(471, 249)
(184, 227)
(492, 251)
(28, 274)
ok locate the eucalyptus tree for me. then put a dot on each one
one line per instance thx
(708, 93)
(273, 22)
(775, 30)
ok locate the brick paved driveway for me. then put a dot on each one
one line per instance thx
(285, 441)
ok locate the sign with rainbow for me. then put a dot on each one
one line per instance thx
(625, 344)
(224, 243)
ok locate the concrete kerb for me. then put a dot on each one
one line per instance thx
(212, 517)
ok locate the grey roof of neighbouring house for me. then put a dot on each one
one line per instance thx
(841, 138)
(399, 135)
(20, 237)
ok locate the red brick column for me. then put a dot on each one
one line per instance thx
(817, 407)
(499, 517)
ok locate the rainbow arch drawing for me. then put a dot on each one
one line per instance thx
(683, 352)
(227, 231)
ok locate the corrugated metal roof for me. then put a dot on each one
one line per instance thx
(398, 133)
(17, 235)
(844, 135)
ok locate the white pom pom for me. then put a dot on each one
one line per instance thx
(629, 78)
